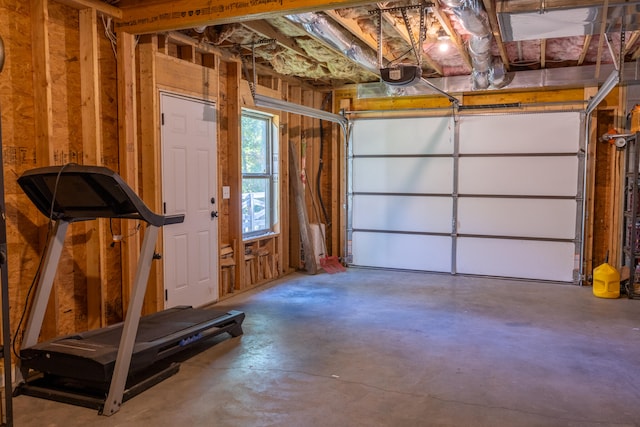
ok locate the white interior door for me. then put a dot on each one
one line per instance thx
(189, 176)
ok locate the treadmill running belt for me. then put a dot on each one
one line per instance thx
(91, 356)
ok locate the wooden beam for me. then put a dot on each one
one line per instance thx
(202, 47)
(489, 6)
(96, 244)
(128, 153)
(42, 81)
(603, 26)
(519, 6)
(151, 169)
(445, 22)
(404, 34)
(590, 190)
(267, 31)
(98, 6)
(234, 161)
(43, 106)
(352, 26)
(543, 53)
(585, 48)
(630, 42)
(180, 14)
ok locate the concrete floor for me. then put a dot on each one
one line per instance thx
(382, 348)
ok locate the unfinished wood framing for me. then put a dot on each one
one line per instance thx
(96, 243)
(129, 158)
(151, 177)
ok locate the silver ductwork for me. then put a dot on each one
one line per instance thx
(335, 36)
(487, 71)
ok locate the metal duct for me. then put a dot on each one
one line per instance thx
(487, 71)
(335, 36)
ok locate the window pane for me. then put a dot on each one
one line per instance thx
(256, 205)
(254, 145)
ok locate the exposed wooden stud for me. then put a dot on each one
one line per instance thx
(268, 32)
(234, 138)
(128, 153)
(352, 26)
(42, 81)
(543, 53)
(515, 6)
(180, 14)
(151, 168)
(285, 178)
(601, 37)
(404, 34)
(489, 6)
(335, 196)
(445, 22)
(96, 245)
(590, 190)
(205, 48)
(295, 136)
(585, 48)
(630, 42)
(43, 119)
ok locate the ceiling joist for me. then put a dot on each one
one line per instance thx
(181, 14)
(445, 22)
(352, 26)
(404, 33)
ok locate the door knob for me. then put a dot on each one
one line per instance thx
(214, 214)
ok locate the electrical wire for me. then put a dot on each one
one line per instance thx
(36, 277)
(108, 32)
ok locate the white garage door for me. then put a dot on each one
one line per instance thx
(484, 194)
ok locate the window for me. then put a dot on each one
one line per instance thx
(259, 173)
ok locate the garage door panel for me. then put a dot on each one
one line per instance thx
(403, 213)
(404, 251)
(528, 259)
(527, 176)
(404, 136)
(547, 218)
(508, 133)
(415, 175)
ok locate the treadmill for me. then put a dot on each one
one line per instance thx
(103, 368)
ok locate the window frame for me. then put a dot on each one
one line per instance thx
(271, 173)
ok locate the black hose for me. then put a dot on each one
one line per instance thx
(1, 54)
(321, 165)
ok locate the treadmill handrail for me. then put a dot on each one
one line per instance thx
(84, 192)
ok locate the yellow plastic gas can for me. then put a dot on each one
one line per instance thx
(606, 281)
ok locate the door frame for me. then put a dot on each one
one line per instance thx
(216, 249)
